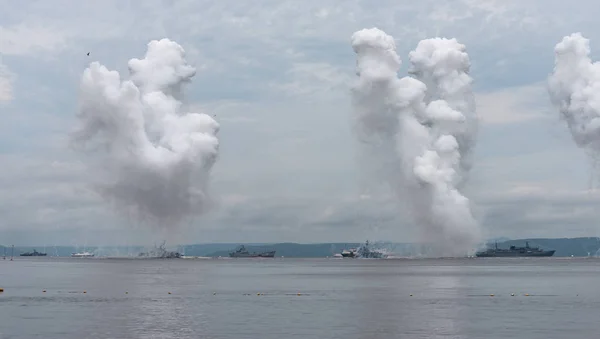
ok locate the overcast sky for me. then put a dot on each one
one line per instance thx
(277, 75)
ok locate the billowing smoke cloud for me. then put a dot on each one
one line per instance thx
(574, 88)
(156, 158)
(419, 132)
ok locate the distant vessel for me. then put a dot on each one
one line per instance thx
(514, 251)
(363, 251)
(242, 252)
(82, 255)
(350, 253)
(160, 252)
(33, 254)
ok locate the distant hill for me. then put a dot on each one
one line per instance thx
(565, 247)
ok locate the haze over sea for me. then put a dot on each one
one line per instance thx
(299, 298)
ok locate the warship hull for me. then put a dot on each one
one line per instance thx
(33, 254)
(160, 253)
(363, 252)
(241, 252)
(515, 251)
(514, 254)
(270, 254)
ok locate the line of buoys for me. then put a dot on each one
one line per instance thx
(298, 294)
(259, 293)
(511, 294)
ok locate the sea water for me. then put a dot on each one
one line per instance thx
(299, 298)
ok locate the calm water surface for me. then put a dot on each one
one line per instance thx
(338, 298)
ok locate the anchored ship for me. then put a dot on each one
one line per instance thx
(160, 252)
(82, 255)
(514, 251)
(242, 252)
(363, 252)
(33, 254)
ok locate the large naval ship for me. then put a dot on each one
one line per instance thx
(363, 251)
(514, 251)
(242, 252)
(160, 252)
(33, 254)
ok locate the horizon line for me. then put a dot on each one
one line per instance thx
(504, 239)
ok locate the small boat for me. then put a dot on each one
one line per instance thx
(351, 253)
(82, 255)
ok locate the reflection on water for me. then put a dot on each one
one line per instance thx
(447, 307)
(283, 298)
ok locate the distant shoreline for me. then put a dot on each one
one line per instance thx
(565, 247)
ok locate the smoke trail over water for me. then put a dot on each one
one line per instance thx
(574, 89)
(155, 157)
(418, 132)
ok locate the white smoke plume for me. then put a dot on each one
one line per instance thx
(156, 158)
(574, 88)
(419, 132)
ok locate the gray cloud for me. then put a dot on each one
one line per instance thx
(543, 214)
(6, 86)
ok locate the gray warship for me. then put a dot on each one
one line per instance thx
(33, 254)
(242, 252)
(160, 252)
(514, 251)
(363, 251)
